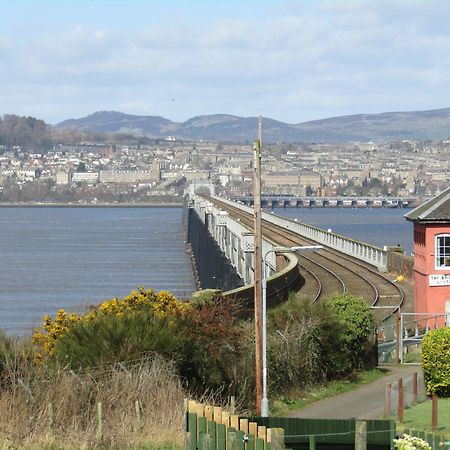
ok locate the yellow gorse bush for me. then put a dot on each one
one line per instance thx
(162, 303)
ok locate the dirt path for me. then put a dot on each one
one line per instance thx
(364, 402)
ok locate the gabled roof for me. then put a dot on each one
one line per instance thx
(434, 210)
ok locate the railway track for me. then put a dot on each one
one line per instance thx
(328, 271)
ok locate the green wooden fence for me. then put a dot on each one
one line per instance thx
(324, 434)
(212, 428)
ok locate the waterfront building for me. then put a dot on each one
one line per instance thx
(432, 257)
(127, 176)
(85, 177)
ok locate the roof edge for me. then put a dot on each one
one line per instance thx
(428, 207)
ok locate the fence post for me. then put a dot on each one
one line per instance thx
(387, 399)
(434, 412)
(233, 404)
(415, 375)
(100, 420)
(137, 408)
(400, 400)
(312, 442)
(399, 338)
(360, 435)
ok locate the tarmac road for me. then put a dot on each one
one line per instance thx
(364, 402)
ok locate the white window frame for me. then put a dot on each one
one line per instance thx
(437, 254)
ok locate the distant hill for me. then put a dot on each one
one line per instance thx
(433, 124)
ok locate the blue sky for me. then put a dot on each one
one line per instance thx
(289, 60)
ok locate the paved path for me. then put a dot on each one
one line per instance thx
(364, 402)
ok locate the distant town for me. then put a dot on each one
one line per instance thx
(96, 173)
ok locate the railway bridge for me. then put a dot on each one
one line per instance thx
(343, 265)
(295, 201)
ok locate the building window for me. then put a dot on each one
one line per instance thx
(443, 251)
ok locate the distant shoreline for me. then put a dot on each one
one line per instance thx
(90, 205)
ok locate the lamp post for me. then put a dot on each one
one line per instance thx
(303, 249)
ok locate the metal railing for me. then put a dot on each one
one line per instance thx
(360, 250)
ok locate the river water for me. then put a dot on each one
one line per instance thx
(70, 258)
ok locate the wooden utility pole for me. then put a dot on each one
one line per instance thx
(258, 264)
(400, 400)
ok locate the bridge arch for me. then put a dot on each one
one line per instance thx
(201, 187)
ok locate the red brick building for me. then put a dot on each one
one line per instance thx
(432, 256)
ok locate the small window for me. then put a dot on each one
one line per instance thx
(443, 251)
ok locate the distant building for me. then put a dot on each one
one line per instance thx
(62, 177)
(128, 176)
(85, 177)
(224, 179)
(26, 175)
(194, 175)
(108, 152)
(432, 257)
(275, 180)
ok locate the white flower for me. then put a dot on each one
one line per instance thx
(408, 442)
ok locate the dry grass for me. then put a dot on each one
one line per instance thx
(27, 392)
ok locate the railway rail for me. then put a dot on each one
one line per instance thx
(328, 271)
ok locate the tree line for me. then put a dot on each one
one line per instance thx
(30, 133)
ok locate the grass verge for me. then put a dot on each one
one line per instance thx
(299, 400)
(418, 417)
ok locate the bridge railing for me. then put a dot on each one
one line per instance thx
(236, 243)
(365, 252)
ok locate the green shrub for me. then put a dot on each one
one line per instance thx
(355, 331)
(311, 342)
(204, 341)
(107, 339)
(301, 336)
(215, 344)
(436, 362)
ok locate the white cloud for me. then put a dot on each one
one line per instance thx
(303, 63)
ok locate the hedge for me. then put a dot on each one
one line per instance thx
(436, 362)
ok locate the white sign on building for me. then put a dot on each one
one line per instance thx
(439, 280)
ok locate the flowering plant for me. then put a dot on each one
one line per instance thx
(162, 304)
(408, 442)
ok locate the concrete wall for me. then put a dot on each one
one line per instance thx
(214, 269)
(401, 264)
(278, 286)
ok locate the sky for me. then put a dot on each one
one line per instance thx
(292, 61)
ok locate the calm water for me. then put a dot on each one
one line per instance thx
(377, 226)
(69, 258)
